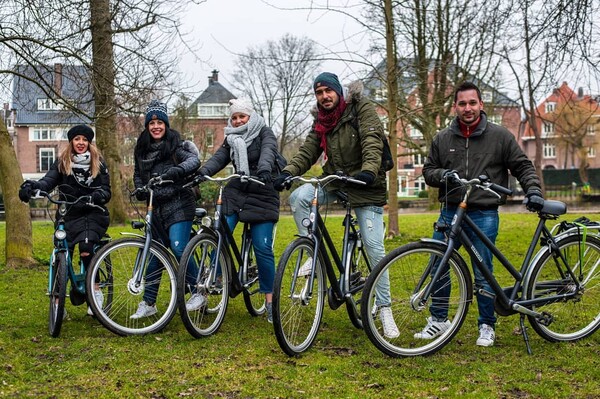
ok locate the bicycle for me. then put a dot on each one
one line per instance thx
(557, 288)
(224, 270)
(61, 270)
(129, 258)
(300, 281)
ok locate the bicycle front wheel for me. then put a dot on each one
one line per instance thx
(203, 286)
(124, 290)
(298, 304)
(410, 270)
(577, 316)
(57, 292)
(253, 298)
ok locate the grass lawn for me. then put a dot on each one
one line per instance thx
(243, 359)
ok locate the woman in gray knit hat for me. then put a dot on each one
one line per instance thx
(251, 147)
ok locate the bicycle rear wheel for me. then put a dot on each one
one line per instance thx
(410, 268)
(297, 314)
(253, 298)
(118, 260)
(359, 272)
(57, 292)
(576, 317)
(211, 282)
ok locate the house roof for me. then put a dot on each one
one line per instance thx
(74, 83)
(407, 80)
(215, 93)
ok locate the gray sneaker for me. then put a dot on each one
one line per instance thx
(487, 335)
(196, 302)
(144, 310)
(269, 309)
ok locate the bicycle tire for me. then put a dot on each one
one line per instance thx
(253, 298)
(120, 256)
(296, 317)
(105, 282)
(57, 293)
(410, 270)
(359, 272)
(577, 317)
(207, 320)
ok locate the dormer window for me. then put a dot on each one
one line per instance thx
(47, 104)
(212, 111)
(486, 96)
(550, 107)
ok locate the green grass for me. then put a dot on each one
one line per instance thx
(243, 359)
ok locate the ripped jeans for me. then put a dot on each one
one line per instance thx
(370, 222)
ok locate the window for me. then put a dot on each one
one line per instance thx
(590, 129)
(549, 150)
(497, 119)
(548, 129)
(128, 159)
(486, 97)
(46, 157)
(46, 104)
(45, 133)
(209, 137)
(418, 159)
(415, 133)
(212, 111)
(550, 107)
(591, 152)
(380, 93)
(420, 184)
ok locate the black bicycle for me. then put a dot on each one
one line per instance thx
(61, 270)
(557, 287)
(129, 258)
(214, 254)
(300, 282)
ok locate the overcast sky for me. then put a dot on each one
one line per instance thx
(225, 27)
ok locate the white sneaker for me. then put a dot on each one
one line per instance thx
(433, 329)
(144, 310)
(390, 330)
(305, 268)
(99, 298)
(196, 302)
(487, 335)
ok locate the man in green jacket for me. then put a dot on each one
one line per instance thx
(354, 152)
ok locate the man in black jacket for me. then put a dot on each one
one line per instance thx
(472, 146)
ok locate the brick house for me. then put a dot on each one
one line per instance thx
(565, 117)
(40, 120)
(499, 108)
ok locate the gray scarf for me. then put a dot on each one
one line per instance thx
(80, 168)
(239, 138)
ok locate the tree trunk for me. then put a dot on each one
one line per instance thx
(103, 78)
(19, 244)
(392, 106)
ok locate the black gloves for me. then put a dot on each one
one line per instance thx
(97, 198)
(448, 177)
(534, 200)
(174, 173)
(365, 176)
(141, 195)
(281, 182)
(27, 189)
(264, 176)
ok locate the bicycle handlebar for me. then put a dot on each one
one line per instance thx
(244, 178)
(87, 199)
(483, 182)
(323, 181)
(153, 182)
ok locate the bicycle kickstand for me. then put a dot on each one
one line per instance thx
(525, 336)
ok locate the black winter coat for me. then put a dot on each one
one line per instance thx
(82, 223)
(254, 203)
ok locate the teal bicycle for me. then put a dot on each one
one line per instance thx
(61, 270)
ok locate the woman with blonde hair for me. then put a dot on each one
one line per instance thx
(78, 171)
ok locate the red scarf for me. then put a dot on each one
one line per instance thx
(466, 130)
(327, 120)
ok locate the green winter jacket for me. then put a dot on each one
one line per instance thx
(350, 152)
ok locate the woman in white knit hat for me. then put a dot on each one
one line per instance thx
(252, 148)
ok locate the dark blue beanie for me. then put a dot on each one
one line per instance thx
(330, 80)
(156, 110)
(81, 130)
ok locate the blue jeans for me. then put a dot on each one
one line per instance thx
(487, 221)
(370, 222)
(262, 242)
(179, 235)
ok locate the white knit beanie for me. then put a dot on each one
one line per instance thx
(241, 105)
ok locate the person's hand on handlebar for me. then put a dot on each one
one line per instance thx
(534, 200)
(282, 181)
(27, 189)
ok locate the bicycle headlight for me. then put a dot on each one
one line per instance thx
(60, 235)
(306, 222)
(207, 221)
